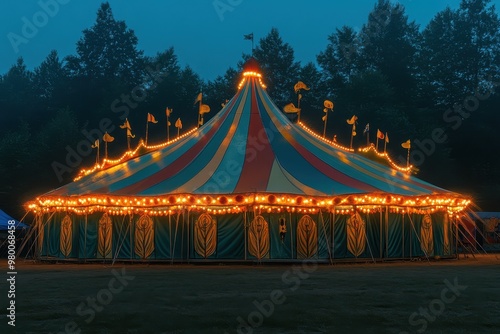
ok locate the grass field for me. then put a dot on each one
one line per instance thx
(433, 297)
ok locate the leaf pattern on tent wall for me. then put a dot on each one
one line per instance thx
(144, 237)
(205, 235)
(105, 236)
(427, 235)
(66, 240)
(307, 238)
(258, 237)
(356, 235)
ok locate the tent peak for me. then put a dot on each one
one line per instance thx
(252, 65)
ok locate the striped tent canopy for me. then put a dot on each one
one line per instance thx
(249, 153)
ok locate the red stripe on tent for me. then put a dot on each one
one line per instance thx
(177, 165)
(329, 170)
(259, 156)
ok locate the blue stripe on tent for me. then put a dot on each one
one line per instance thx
(391, 183)
(203, 158)
(225, 177)
(295, 164)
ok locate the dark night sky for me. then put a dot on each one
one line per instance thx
(207, 40)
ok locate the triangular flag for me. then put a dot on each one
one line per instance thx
(386, 137)
(198, 98)
(129, 134)
(96, 144)
(352, 120)
(380, 135)
(168, 111)
(151, 118)
(367, 128)
(406, 144)
(125, 125)
(178, 123)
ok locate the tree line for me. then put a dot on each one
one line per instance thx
(435, 85)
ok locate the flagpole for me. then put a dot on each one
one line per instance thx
(376, 146)
(105, 150)
(252, 44)
(98, 153)
(352, 133)
(368, 138)
(385, 143)
(168, 129)
(298, 106)
(408, 158)
(147, 127)
(324, 128)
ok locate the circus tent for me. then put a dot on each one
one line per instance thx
(247, 185)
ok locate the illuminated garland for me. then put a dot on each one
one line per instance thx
(235, 203)
(106, 163)
(384, 155)
(330, 142)
(251, 74)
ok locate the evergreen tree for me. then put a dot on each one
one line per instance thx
(277, 61)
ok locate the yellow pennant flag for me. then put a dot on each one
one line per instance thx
(300, 85)
(151, 118)
(125, 125)
(129, 134)
(328, 104)
(386, 137)
(290, 108)
(323, 118)
(178, 123)
(406, 144)
(168, 111)
(204, 108)
(108, 138)
(198, 98)
(352, 120)
(96, 144)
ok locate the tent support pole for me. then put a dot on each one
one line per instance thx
(85, 240)
(188, 230)
(414, 229)
(245, 231)
(368, 243)
(387, 231)
(123, 240)
(326, 237)
(175, 236)
(380, 237)
(170, 233)
(403, 237)
(291, 232)
(333, 232)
